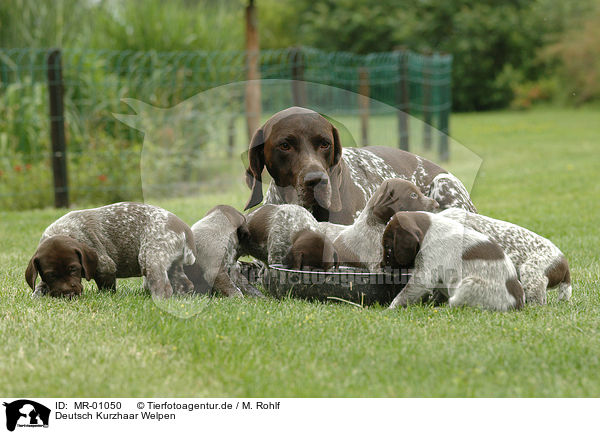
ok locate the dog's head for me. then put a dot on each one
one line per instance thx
(300, 149)
(402, 239)
(61, 262)
(311, 250)
(395, 195)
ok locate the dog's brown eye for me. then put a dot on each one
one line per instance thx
(325, 145)
(284, 146)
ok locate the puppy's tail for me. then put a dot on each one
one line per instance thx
(189, 254)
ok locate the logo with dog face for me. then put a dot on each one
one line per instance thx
(26, 413)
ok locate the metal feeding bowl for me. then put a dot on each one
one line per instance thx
(351, 284)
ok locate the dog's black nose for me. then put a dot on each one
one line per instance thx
(313, 178)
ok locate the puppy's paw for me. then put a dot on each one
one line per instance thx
(40, 289)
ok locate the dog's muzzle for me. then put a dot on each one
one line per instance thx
(316, 188)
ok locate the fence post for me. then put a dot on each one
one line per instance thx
(230, 136)
(403, 99)
(253, 104)
(298, 85)
(427, 110)
(363, 103)
(57, 130)
(444, 113)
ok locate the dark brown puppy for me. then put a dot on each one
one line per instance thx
(311, 250)
(61, 263)
(303, 154)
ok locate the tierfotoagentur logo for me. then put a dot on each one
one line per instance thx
(25, 413)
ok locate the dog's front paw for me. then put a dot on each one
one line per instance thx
(40, 289)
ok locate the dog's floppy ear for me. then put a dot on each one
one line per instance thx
(383, 205)
(88, 259)
(243, 233)
(335, 177)
(406, 246)
(256, 164)
(337, 146)
(31, 273)
(293, 259)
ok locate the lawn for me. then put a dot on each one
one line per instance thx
(540, 170)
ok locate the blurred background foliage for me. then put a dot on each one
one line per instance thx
(506, 53)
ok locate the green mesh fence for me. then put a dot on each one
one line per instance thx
(103, 154)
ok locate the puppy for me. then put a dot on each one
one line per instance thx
(539, 263)
(120, 240)
(271, 231)
(310, 250)
(467, 266)
(217, 237)
(360, 244)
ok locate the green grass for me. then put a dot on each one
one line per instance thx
(540, 170)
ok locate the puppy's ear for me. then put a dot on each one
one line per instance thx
(383, 204)
(406, 246)
(88, 259)
(383, 213)
(293, 259)
(256, 164)
(243, 233)
(32, 272)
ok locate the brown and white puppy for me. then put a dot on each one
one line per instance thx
(540, 264)
(217, 238)
(467, 266)
(302, 152)
(120, 240)
(360, 244)
(310, 250)
(271, 231)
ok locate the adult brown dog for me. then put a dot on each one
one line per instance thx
(303, 154)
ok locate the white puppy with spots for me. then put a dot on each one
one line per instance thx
(447, 257)
(539, 263)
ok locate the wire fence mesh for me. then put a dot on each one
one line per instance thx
(103, 153)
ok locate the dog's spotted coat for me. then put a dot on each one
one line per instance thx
(539, 263)
(368, 171)
(132, 239)
(468, 267)
(358, 244)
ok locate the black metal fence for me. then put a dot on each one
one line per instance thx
(57, 110)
